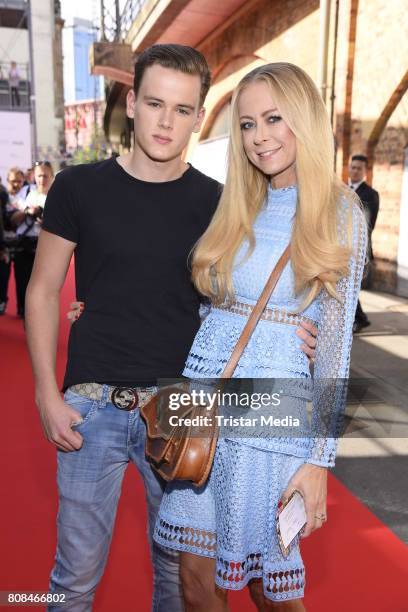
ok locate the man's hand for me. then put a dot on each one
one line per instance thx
(75, 311)
(42, 317)
(308, 333)
(57, 417)
(34, 211)
(17, 218)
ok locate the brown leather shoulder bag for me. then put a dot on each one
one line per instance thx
(173, 450)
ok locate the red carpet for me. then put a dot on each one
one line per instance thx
(354, 563)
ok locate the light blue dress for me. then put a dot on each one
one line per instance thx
(232, 517)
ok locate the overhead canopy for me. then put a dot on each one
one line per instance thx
(187, 22)
(113, 61)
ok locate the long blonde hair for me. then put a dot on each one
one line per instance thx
(317, 257)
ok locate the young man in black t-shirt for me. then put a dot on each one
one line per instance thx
(132, 222)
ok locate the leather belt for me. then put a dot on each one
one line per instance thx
(278, 315)
(123, 398)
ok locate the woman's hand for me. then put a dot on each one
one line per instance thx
(311, 481)
(308, 333)
(75, 311)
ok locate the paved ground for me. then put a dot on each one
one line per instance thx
(372, 459)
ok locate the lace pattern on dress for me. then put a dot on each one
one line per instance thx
(332, 362)
(187, 538)
(286, 583)
(279, 315)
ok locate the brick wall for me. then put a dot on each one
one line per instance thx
(387, 179)
(379, 63)
(369, 63)
(273, 31)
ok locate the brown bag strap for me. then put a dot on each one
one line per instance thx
(256, 314)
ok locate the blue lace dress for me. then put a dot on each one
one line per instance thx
(232, 517)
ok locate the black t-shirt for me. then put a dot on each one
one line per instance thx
(131, 268)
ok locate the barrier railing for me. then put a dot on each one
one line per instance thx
(14, 86)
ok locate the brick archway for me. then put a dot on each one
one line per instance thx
(234, 63)
(382, 121)
(214, 114)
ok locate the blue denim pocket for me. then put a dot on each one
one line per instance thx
(85, 406)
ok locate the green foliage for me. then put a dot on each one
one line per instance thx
(96, 151)
(87, 155)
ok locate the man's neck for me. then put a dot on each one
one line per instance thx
(139, 165)
(357, 184)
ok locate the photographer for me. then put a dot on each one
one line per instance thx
(3, 251)
(12, 199)
(27, 222)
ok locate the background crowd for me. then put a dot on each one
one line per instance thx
(22, 204)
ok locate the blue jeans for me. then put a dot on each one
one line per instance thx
(89, 484)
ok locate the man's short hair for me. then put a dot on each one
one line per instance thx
(178, 57)
(362, 158)
(15, 170)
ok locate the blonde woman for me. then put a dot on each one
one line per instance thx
(280, 189)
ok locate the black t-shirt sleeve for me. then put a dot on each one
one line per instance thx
(216, 195)
(61, 209)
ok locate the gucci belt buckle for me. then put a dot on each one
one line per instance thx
(124, 398)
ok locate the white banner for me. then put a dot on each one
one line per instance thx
(210, 157)
(15, 142)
